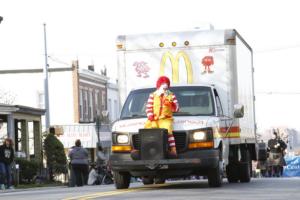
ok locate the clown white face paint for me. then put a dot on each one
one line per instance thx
(164, 86)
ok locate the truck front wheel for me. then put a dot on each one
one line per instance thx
(122, 179)
(215, 176)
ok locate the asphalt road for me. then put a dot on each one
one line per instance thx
(257, 189)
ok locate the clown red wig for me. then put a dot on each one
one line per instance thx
(161, 80)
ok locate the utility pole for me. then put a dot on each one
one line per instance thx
(46, 88)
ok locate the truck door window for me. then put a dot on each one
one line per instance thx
(135, 105)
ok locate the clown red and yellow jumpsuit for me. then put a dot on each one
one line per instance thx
(159, 111)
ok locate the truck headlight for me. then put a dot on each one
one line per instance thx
(201, 138)
(122, 139)
(199, 135)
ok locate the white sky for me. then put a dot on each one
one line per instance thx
(86, 30)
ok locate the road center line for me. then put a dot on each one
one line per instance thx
(103, 194)
(111, 193)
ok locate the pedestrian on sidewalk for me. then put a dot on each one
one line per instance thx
(6, 159)
(93, 176)
(79, 161)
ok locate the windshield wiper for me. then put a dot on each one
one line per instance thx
(181, 113)
(138, 115)
(190, 114)
(134, 116)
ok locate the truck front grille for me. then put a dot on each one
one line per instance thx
(180, 139)
(136, 141)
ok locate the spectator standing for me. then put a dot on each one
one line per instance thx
(276, 148)
(79, 161)
(6, 158)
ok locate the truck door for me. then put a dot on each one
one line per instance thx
(223, 125)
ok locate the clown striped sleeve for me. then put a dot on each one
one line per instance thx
(174, 99)
(149, 106)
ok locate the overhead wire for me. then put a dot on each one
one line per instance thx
(277, 48)
(58, 60)
(278, 93)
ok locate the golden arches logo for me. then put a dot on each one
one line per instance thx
(175, 65)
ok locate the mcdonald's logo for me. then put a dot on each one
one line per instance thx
(175, 65)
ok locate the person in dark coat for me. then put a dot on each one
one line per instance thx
(6, 158)
(79, 162)
(276, 148)
(275, 144)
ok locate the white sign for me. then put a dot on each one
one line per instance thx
(85, 133)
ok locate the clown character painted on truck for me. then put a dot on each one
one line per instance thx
(160, 107)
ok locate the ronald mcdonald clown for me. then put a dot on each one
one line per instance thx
(160, 107)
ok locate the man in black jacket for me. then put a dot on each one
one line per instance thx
(6, 158)
(276, 148)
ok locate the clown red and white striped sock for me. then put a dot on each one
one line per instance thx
(171, 140)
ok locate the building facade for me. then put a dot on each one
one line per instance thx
(90, 94)
(113, 101)
(76, 98)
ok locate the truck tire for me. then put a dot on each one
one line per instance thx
(232, 172)
(215, 176)
(245, 169)
(159, 180)
(121, 179)
(147, 180)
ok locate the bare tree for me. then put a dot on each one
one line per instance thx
(7, 97)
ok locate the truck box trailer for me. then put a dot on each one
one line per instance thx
(211, 73)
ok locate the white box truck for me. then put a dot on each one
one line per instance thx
(211, 73)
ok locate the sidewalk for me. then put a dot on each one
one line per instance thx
(32, 188)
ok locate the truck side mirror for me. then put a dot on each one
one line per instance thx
(238, 111)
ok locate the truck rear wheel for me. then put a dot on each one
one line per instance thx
(147, 180)
(232, 172)
(245, 172)
(121, 179)
(245, 168)
(215, 176)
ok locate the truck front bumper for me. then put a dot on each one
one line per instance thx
(185, 164)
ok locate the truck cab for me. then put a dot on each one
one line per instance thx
(198, 129)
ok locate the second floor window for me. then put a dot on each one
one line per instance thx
(81, 104)
(91, 110)
(103, 99)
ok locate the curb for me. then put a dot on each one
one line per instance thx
(30, 189)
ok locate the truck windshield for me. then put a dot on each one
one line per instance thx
(193, 101)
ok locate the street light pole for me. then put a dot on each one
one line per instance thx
(98, 127)
(46, 89)
(100, 153)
